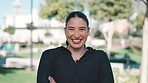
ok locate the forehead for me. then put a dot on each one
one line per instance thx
(77, 21)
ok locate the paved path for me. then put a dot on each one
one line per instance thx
(16, 62)
(21, 62)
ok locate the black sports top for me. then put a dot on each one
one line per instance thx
(93, 67)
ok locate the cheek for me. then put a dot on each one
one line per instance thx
(85, 34)
(68, 34)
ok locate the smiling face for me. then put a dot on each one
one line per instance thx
(76, 32)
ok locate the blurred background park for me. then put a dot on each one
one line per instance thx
(28, 27)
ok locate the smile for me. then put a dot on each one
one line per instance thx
(76, 41)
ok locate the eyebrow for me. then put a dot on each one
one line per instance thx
(74, 27)
(83, 27)
(70, 27)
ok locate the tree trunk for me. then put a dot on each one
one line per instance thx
(144, 61)
(109, 43)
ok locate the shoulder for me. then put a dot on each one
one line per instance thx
(50, 52)
(101, 54)
(95, 51)
(100, 51)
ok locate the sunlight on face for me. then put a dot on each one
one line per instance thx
(76, 32)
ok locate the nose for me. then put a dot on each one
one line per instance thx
(77, 34)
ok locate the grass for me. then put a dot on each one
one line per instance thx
(135, 55)
(26, 55)
(132, 52)
(34, 45)
(125, 77)
(20, 75)
(13, 75)
(37, 51)
(17, 75)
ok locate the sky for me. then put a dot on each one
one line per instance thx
(6, 7)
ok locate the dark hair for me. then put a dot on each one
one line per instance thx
(78, 14)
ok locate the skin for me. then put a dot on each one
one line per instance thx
(76, 34)
(51, 79)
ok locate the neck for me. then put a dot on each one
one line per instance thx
(77, 53)
(76, 50)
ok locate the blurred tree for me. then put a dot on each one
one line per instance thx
(144, 61)
(110, 9)
(98, 9)
(138, 24)
(48, 34)
(30, 26)
(58, 8)
(10, 30)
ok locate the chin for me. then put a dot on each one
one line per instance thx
(76, 46)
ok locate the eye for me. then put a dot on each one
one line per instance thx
(83, 28)
(70, 28)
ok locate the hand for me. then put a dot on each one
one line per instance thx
(51, 79)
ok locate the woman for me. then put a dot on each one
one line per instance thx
(75, 63)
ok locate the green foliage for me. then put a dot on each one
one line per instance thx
(138, 23)
(99, 35)
(140, 20)
(127, 77)
(133, 52)
(48, 34)
(10, 30)
(30, 26)
(57, 8)
(111, 9)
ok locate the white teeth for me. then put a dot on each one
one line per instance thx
(76, 40)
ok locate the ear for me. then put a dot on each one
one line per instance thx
(65, 30)
(88, 29)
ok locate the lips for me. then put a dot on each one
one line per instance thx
(76, 41)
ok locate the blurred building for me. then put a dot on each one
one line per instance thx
(20, 21)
